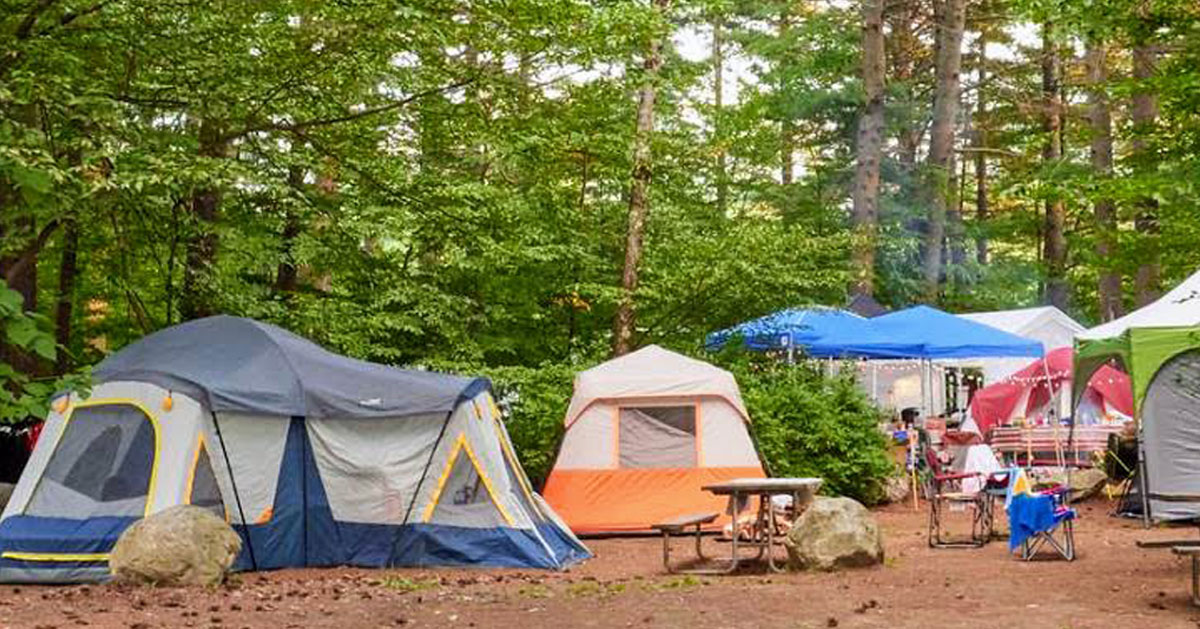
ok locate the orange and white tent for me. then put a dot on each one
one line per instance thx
(644, 433)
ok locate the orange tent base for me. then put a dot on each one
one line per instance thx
(631, 500)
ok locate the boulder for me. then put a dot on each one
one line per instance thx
(182, 545)
(6, 490)
(1085, 483)
(835, 533)
(896, 489)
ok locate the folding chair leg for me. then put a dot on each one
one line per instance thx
(1196, 580)
(976, 539)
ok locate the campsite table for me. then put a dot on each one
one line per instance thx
(741, 490)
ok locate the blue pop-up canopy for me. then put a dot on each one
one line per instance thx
(800, 328)
(924, 332)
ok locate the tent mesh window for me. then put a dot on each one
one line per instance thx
(101, 465)
(464, 500)
(657, 436)
(205, 493)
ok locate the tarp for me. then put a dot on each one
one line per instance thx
(1178, 308)
(1027, 321)
(925, 332)
(1053, 327)
(241, 365)
(653, 372)
(801, 328)
(1035, 385)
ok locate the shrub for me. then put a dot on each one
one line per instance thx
(806, 424)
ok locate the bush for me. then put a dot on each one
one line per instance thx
(806, 424)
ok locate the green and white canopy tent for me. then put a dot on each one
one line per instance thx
(1159, 347)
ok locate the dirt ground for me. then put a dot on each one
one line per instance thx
(1112, 584)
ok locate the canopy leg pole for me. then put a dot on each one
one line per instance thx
(924, 391)
(874, 383)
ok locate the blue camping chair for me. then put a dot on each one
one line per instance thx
(1041, 520)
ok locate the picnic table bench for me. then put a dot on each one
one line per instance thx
(1192, 550)
(1183, 547)
(679, 525)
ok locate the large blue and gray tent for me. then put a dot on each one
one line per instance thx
(315, 459)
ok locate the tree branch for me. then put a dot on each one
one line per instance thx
(30, 252)
(298, 127)
(25, 29)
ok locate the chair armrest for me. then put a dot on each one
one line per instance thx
(955, 476)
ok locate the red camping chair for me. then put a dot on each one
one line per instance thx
(944, 491)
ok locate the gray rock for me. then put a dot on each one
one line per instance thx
(6, 490)
(835, 533)
(896, 489)
(1085, 483)
(183, 545)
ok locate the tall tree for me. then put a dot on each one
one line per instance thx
(787, 127)
(949, 19)
(1144, 116)
(1100, 124)
(865, 196)
(198, 299)
(718, 61)
(982, 210)
(1054, 231)
(625, 321)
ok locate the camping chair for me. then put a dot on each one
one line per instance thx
(1041, 520)
(944, 491)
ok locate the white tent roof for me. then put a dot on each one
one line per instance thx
(1178, 308)
(653, 372)
(1023, 320)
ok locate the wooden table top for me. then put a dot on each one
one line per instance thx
(764, 485)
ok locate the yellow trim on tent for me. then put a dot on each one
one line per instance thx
(461, 444)
(478, 411)
(517, 470)
(54, 556)
(191, 479)
(201, 446)
(115, 401)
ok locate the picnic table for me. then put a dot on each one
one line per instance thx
(741, 491)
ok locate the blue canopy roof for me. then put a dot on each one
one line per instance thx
(802, 328)
(924, 332)
(917, 332)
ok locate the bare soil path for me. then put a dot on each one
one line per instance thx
(1113, 584)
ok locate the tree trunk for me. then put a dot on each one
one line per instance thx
(787, 131)
(718, 60)
(1100, 121)
(286, 273)
(1144, 117)
(67, 274)
(1057, 290)
(901, 46)
(982, 210)
(625, 321)
(198, 299)
(870, 151)
(949, 21)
